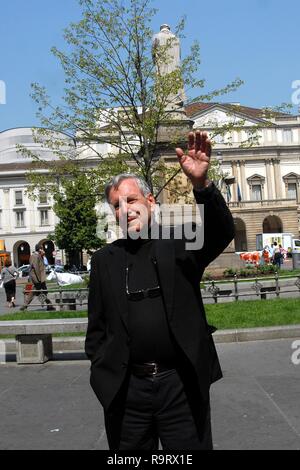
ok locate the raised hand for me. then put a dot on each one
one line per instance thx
(195, 163)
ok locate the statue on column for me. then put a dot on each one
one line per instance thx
(168, 62)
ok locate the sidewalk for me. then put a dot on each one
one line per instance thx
(255, 405)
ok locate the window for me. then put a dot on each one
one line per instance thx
(287, 136)
(19, 198)
(256, 192)
(44, 217)
(43, 197)
(292, 191)
(20, 219)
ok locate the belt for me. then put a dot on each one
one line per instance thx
(149, 369)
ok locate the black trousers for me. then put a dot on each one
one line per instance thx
(10, 289)
(157, 408)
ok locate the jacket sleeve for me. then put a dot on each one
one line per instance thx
(34, 276)
(96, 330)
(218, 224)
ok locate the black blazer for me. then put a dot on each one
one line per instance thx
(180, 271)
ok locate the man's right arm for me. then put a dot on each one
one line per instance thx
(96, 324)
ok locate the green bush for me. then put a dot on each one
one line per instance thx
(267, 269)
(230, 272)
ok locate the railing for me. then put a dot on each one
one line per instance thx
(264, 203)
(212, 291)
(60, 298)
(244, 289)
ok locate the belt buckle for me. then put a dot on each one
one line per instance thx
(155, 368)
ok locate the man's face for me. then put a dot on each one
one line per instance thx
(133, 210)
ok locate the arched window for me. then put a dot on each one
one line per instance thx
(240, 239)
(272, 224)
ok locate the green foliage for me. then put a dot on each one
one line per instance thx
(115, 93)
(250, 271)
(230, 272)
(117, 98)
(267, 269)
(75, 207)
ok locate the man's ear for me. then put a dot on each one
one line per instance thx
(150, 198)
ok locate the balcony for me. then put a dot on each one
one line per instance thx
(264, 203)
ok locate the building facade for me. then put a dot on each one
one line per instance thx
(23, 221)
(265, 196)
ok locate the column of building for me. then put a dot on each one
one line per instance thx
(277, 178)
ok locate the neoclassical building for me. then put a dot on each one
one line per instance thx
(23, 222)
(265, 196)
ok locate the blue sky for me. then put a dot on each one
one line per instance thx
(255, 40)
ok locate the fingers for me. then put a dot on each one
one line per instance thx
(179, 152)
(198, 143)
(204, 138)
(180, 155)
(191, 141)
(198, 140)
(202, 143)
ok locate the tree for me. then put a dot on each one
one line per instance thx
(76, 230)
(117, 98)
(115, 92)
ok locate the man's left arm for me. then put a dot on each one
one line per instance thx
(217, 222)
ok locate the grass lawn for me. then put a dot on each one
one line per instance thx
(254, 313)
(29, 315)
(241, 314)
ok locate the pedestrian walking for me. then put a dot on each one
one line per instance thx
(37, 276)
(8, 278)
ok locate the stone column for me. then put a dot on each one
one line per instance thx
(278, 192)
(234, 186)
(269, 179)
(243, 180)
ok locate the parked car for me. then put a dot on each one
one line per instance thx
(23, 270)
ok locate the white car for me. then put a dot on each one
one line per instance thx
(23, 270)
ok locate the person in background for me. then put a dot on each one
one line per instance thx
(276, 259)
(265, 255)
(282, 251)
(37, 276)
(8, 277)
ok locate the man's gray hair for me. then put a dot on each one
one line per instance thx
(115, 182)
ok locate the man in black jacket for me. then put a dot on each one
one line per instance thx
(151, 350)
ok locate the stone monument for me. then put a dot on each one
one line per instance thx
(176, 125)
(169, 62)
